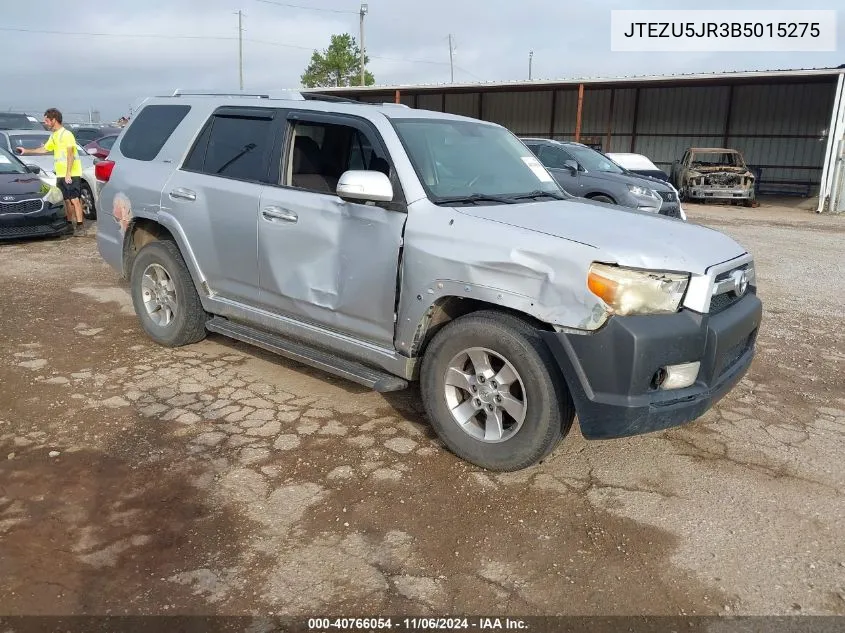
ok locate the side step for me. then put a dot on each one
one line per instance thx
(375, 379)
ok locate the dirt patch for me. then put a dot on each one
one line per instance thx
(218, 478)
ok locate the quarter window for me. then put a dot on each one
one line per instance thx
(150, 130)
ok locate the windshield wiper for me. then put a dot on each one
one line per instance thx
(533, 195)
(475, 198)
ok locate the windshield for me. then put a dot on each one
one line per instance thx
(591, 160)
(717, 159)
(10, 165)
(456, 159)
(29, 141)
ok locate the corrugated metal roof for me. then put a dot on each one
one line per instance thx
(542, 83)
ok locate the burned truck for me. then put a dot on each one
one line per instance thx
(713, 173)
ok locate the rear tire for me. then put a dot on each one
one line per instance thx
(164, 296)
(89, 208)
(536, 410)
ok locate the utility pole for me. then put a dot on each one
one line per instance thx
(530, 60)
(364, 9)
(451, 60)
(241, 49)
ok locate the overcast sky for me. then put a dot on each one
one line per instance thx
(103, 66)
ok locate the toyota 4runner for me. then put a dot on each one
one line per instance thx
(388, 245)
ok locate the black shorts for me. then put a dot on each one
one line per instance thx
(72, 190)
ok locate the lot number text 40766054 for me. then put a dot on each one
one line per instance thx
(416, 624)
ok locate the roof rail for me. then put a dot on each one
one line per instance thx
(316, 96)
(285, 94)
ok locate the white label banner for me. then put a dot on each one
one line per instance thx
(723, 31)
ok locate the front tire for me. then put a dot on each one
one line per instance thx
(164, 296)
(603, 198)
(493, 392)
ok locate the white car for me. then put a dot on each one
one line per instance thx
(10, 139)
(643, 166)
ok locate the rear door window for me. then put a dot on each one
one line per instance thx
(235, 143)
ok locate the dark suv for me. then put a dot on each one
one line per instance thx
(586, 173)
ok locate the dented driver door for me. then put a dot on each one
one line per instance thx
(321, 259)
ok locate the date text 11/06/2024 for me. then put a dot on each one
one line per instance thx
(415, 624)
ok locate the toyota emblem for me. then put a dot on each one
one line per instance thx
(740, 279)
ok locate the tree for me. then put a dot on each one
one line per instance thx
(338, 65)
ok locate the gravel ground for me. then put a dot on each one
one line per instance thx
(220, 479)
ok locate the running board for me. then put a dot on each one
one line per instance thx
(375, 379)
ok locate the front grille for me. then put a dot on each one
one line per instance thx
(668, 196)
(722, 302)
(22, 206)
(724, 180)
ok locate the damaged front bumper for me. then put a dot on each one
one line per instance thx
(721, 193)
(610, 373)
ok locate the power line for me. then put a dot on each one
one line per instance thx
(299, 6)
(471, 74)
(121, 35)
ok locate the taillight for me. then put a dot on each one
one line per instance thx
(103, 170)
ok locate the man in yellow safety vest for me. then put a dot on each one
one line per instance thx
(68, 167)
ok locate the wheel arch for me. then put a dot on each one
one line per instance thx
(595, 194)
(447, 308)
(143, 230)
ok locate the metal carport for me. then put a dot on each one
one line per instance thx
(783, 121)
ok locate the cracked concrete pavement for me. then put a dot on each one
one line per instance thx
(217, 478)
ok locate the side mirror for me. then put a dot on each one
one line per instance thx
(364, 186)
(33, 169)
(572, 166)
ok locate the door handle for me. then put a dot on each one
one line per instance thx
(183, 194)
(278, 213)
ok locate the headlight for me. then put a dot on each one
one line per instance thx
(626, 291)
(642, 191)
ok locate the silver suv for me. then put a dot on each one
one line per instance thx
(388, 245)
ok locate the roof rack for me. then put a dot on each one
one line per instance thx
(285, 94)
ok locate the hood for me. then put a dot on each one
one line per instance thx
(629, 178)
(22, 186)
(624, 236)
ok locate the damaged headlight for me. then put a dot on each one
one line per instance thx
(626, 291)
